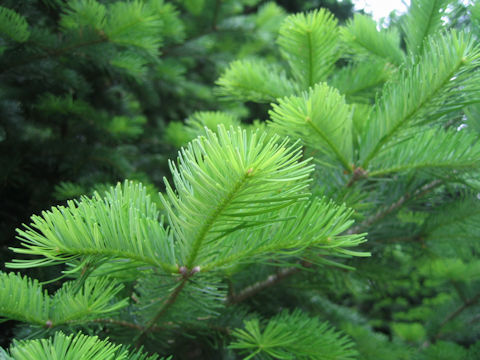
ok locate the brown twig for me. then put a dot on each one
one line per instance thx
(137, 327)
(357, 174)
(260, 285)
(186, 274)
(120, 323)
(166, 305)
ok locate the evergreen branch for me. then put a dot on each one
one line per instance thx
(23, 299)
(466, 304)
(309, 42)
(292, 335)
(447, 66)
(432, 149)
(323, 233)
(423, 19)
(82, 14)
(226, 181)
(124, 224)
(13, 25)
(360, 82)
(55, 53)
(363, 41)
(323, 110)
(74, 346)
(166, 305)
(135, 24)
(395, 206)
(254, 80)
(298, 228)
(96, 297)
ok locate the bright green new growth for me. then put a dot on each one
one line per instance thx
(242, 176)
(447, 66)
(255, 81)
(295, 335)
(71, 347)
(424, 19)
(362, 41)
(234, 184)
(123, 225)
(310, 45)
(321, 118)
(238, 198)
(24, 300)
(20, 294)
(226, 184)
(309, 42)
(434, 150)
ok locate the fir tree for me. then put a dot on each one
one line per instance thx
(87, 89)
(253, 251)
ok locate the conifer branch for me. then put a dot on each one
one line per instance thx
(319, 117)
(166, 305)
(408, 118)
(395, 206)
(457, 312)
(210, 222)
(56, 53)
(405, 105)
(357, 174)
(273, 279)
(343, 160)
